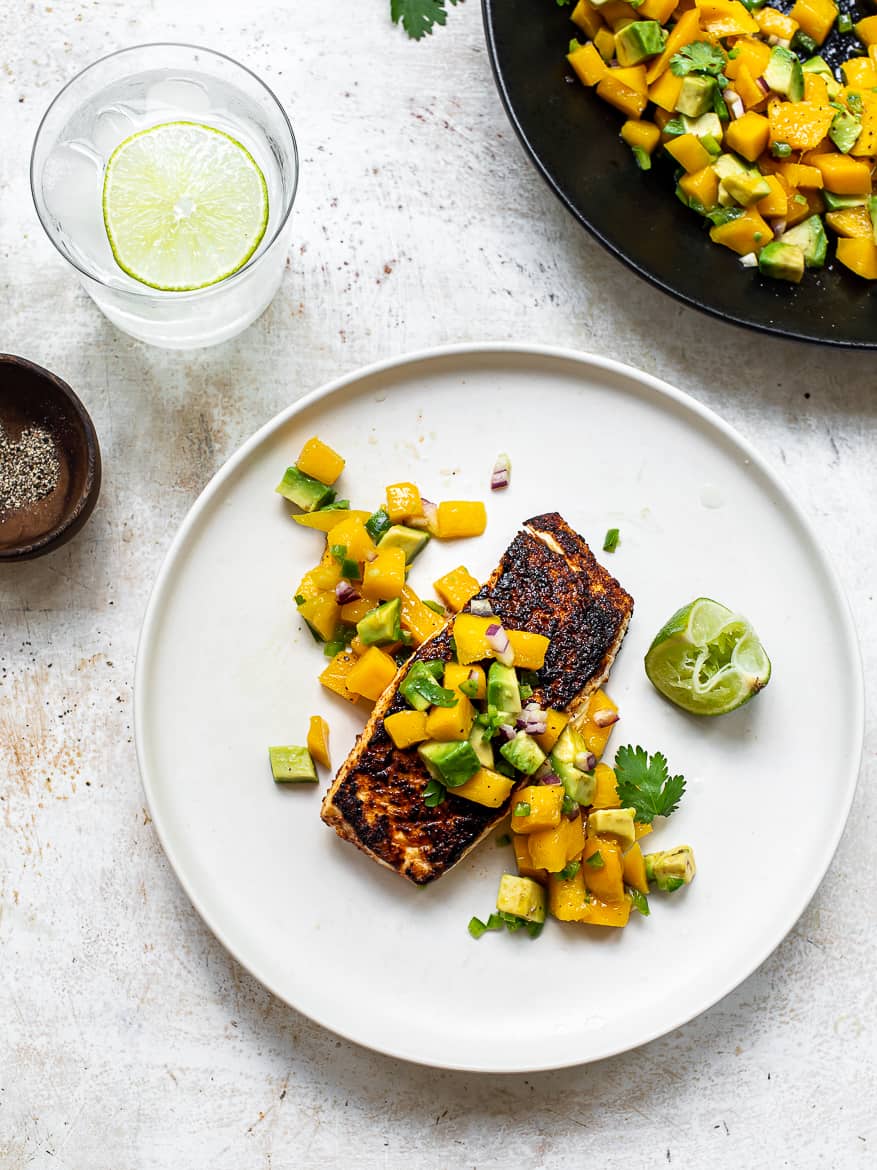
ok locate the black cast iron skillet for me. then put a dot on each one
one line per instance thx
(572, 137)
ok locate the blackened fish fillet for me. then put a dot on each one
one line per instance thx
(548, 582)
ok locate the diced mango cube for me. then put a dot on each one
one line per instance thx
(748, 233)
(684, 31)
(418, 619)
(320, 461)
(529, 649)
(748, 135)
(456, 588)
(372, 674)
(664, 93)
(551, 849)
(406, 728)
(844, 176)
(403, 502)
(814, 17)
(555, 721)
(597, 725)
(384, 577)
(602, 914)
(488, 788)
(354, 611)
(470, 636)
(589, 66)
(567, 898)
(524, 862)
(537, 807)
(318, 740)
(634, 869)
(774, 23)
(351, 535)
(689, 152)
(801, 125)
(605, 879)
(606, 794)
(322, 613)
(587, 18)
(337, 674)
(702, 185)
(622, 96)
(859, 255)
(460, 518)
(451, 723)
(455, 674)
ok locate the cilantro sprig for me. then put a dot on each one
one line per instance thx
(644, 783)
(419, 17)
(700, 57)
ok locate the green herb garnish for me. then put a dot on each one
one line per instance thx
(522, 809)
(569, 805)
(300, 599)
(377, 524)
(610, 540)
(434, 606)
(644, 783)
(595, 861)
(434, 794)
(781, 150)
(675, 126)
(699, 57)
(477, 927)
(844, 22)
(569, 871)
(419, 17)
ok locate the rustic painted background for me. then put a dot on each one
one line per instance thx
(128, 1038)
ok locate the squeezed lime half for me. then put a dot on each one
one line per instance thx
(185, 206)
(707, 659)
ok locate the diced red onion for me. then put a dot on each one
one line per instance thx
(501, 474)
(750, 260)
(506, 731)
(498, 641)
(345, 592)
(778, 226)
(533, 722)
(734, 102)
(762, 85)
(428, 522)
(585, 761)
(546, 774)
(473, 676)
(481, 607)
(605, 718)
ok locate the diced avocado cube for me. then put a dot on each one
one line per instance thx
(841, 202)
(638, 41)
(845, 129)
(452, 764)
(579, 785)
(810, 237)
(382, 625)
(292, 765)
(746, 189)
(782, 261)
(521, 897)
(614, 822)
(671, 868)
(820, 66)
(421, 689)
(696, 95)
(305, 491)
(479, 737)
(728, 164)
(502, 688)
(523, 753)
(708, 125)
(784, 74)
(410, 540)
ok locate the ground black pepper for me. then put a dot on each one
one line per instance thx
(29, 468)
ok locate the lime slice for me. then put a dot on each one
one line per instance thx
(707, 659)
(184, 205)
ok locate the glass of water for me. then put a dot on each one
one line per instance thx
(164, 111)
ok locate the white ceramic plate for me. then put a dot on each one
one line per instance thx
(226, 668)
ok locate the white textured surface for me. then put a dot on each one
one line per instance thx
(128, 1038)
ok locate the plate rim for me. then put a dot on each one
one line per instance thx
(487, 8)
(659, 389)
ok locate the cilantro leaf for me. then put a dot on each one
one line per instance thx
(644, 783)
(698, 57)
(434, 794)
(419, 17)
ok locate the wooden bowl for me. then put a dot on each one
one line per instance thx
(32, 397)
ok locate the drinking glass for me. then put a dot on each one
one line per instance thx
(130, 91)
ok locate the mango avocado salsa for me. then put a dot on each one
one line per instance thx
(769, 147)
